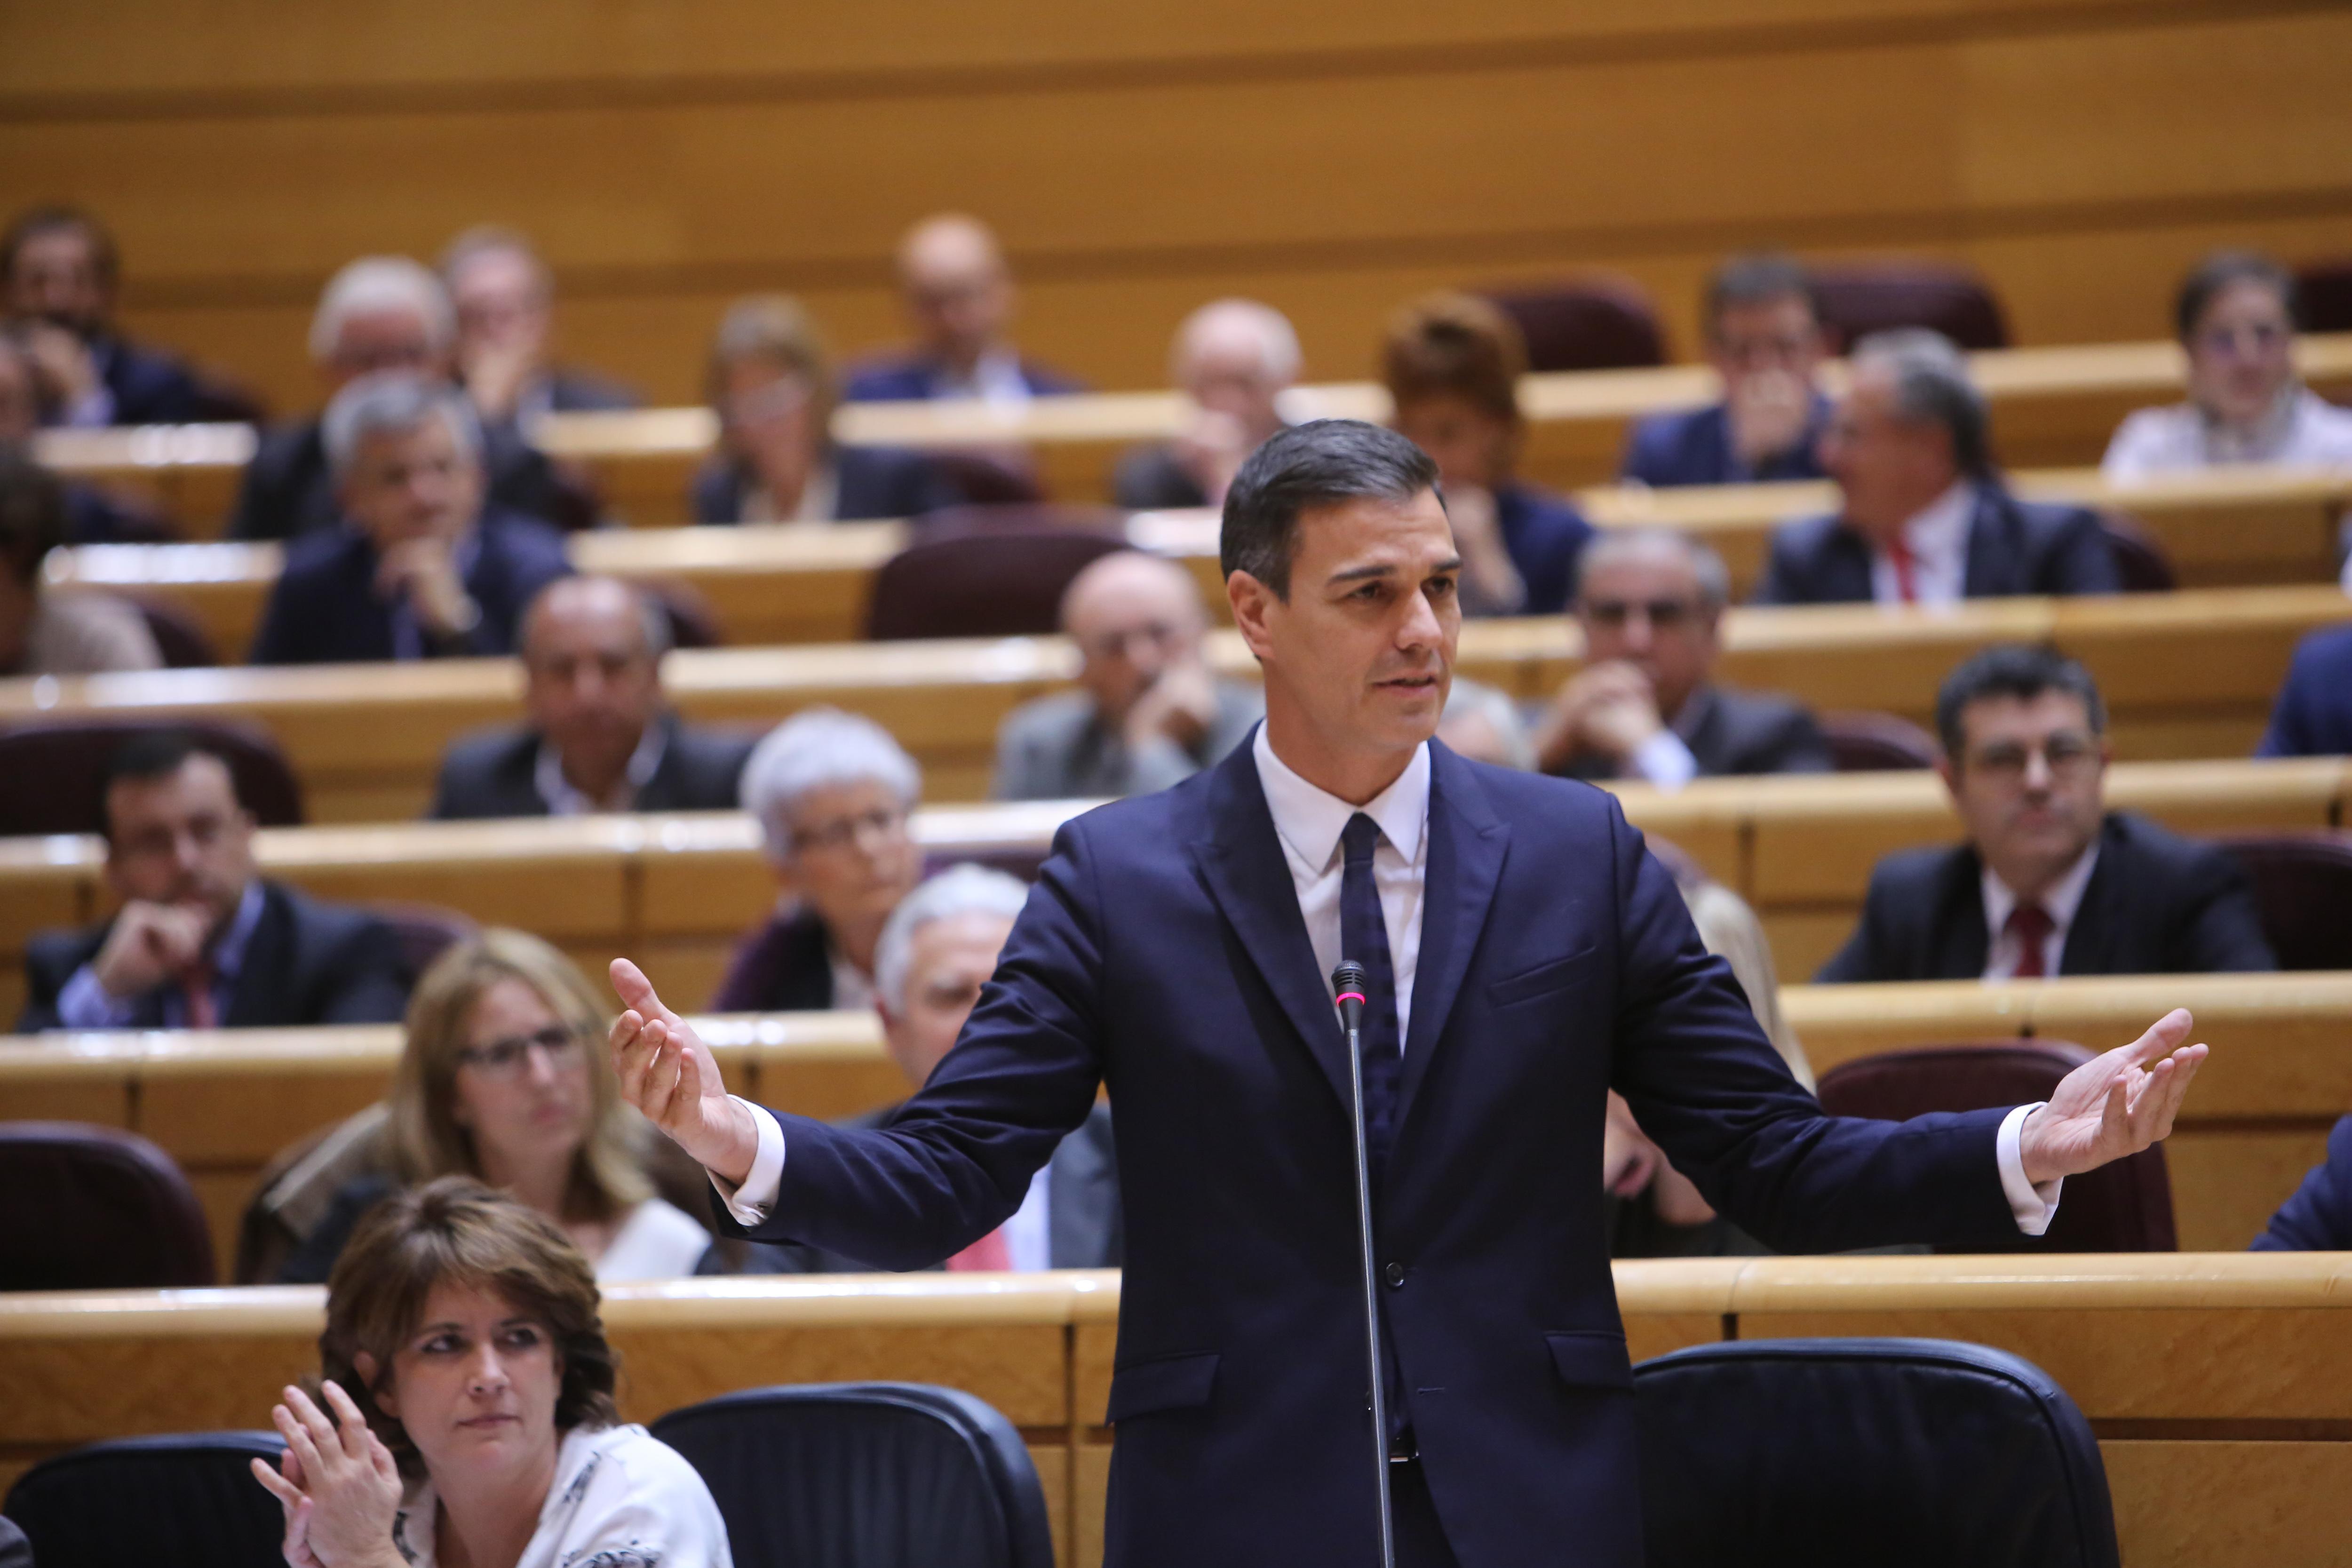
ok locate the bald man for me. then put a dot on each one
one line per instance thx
(959, 300)
(1235, 359)
(1147, 713)
(600, 737)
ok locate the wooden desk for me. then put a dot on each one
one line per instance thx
(2220, 1386)
(2185, 675)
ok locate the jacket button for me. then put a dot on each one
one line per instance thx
(1396, 1275)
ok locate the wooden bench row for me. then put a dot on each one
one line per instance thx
(2191, 674)
(2052, 407)
(770, 584)
(2220, 1387)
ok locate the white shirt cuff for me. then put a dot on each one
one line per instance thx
(1665, 761)
(2034, 1207)
(749, 1203)
(84, 1003)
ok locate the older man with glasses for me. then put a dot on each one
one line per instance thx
(2049, 883)
(1646, 705)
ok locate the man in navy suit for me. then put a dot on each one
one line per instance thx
(1922, 518)
(60, 267)
(1764, 338)
(421, 568)
(2313, 714)
(2318, 1217)
(959, 299)
(1524, 956)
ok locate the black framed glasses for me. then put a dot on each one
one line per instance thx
(560, 1043)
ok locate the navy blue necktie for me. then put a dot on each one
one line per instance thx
(1364, 937)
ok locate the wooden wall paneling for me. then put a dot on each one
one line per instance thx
(2184, 1502)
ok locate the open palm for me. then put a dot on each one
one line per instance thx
(2112, 1105)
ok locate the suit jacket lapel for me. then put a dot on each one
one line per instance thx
(258, 999)
(1993, 563)
(2097, 929)
(1961, 943)
(1467, 844)
(1845, 571)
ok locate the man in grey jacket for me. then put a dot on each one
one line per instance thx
(1147, 713)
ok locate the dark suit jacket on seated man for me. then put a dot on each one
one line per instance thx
(1764, 338)
(59, 268)
(1922, 518)
(201, 941)
(1646, 705)
(422, 571)
(1524, 954)
(2046, 884)
(2312, 717)
(2318, 1217)
(597, 736)
(959, 298)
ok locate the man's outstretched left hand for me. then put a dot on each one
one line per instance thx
(2112, 1105)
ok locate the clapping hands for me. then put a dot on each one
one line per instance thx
(338, 1483)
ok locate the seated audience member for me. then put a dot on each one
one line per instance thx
(597, 735)
(379, 313)
(504, 304)
(1647, 705)
(959, 299)
(772, 386)
(504, 1078)
(2312, 717)
(201, 940)
(831, 792)
(2049, 882)
(2318, 1217)
(937, 949)
(427, 567)
(1485, 725)
(44, 632)
(1922, 517)
(93, 515)
(465, 1412)
(1235, 359)
(1452, 363)
(62, 269)
(2235, 317)
(1147, 713)
(1764, 338)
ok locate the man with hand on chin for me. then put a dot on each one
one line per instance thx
(1523, 955)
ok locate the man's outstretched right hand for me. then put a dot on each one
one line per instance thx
(668, 1073)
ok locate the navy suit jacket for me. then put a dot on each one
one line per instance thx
(1162, 951)
(324, 609)
(495, 772)
(2312, 717)
(870, 481)
(1694, 448)
(904, 377)
(2318, 1217)
(150, 387)
(1546, 536)
(2014, 547)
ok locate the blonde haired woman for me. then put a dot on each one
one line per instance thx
(504, 1078)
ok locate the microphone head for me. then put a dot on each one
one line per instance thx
(1347, 976)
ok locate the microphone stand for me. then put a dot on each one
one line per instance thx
(1348, 982)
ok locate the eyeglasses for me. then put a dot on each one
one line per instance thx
(882, 823)
(559, 1043)
(2066, 755)
(2251, 338)
(1152, 636)
(1664, 614)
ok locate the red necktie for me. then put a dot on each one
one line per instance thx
(989, 1254)
(2031, 924)
(196, 989)
(1907, 586)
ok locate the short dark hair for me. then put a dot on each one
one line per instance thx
(32, 515)
(2220, 269)
(1320, 463)
(1454, 345)
(48, 218)
(155, 754)
(1932, 386)
(2023, 671)
(1756, 277)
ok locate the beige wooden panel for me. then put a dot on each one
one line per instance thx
(1804, 939)
(65, 1382)
(2189, 1503)
(28, 1098)
(1090, 1498)
(2226, 1184)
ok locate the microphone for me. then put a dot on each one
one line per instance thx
(1347, 994)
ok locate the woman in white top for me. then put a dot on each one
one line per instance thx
(2235, 317)
(505, 1078)
(464, 1418)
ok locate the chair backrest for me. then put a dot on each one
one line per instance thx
(2140, 558)
(2303, 886)
(2126, 1206)
(1858, 298)
(1926, 1453)
(693, 623)
(95, 1208)
(984, 572)
(179, 636)
(1590, 323)
(186, 1502)
(865, 1475)
(1863, 742)
(2324, 292)
(989, 475)
(49, 772)
(424, 931)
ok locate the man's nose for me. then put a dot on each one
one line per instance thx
(2037, 771)
(1640, 633)
(1420, 625)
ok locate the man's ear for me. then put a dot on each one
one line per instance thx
(1949, 773)
(1253, 602)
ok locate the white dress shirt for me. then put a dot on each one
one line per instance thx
(565, 799)
(1308, 821)
(2002, 949)
(1937, 538)
(2303, 428)
(995, 380)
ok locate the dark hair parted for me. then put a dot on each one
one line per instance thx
(156, 752)
(1454, 345)
(1758, 278)
(32, 515)
(1321, 463)
(455, 1231)
(2023, 671)
(34, 222)
(2220, 269)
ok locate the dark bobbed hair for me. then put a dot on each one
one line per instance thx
(32, 515)
(48, 218)
(1454, 345)
(1756, 277)
(1321, 463)
(2023, 671)
(2220, 269)
(457, 1231)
